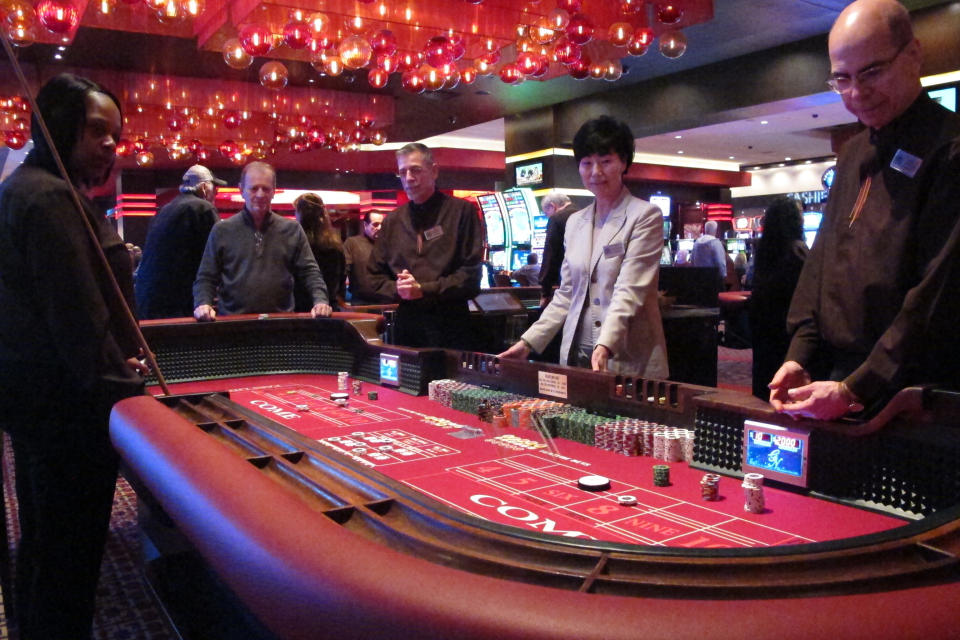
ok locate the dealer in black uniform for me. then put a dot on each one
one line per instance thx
(877, 303)
(427, 258)
(66, 356)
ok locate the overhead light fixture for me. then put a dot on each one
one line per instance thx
(764, 122)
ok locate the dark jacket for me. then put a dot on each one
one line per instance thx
(171, 256)
(63, 331)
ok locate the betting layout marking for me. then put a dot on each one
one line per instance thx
(286, 399)
(388, 447)
(522, 490)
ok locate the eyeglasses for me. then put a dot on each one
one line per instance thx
(842, 83)
(416, 172)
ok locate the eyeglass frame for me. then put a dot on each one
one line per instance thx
(866, 76)
(416, 170)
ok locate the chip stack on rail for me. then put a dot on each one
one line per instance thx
(753, 493)
(440, 390)
(710, 487)
(620, 436)
(527, 413)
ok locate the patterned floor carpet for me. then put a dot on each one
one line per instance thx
(126, 610)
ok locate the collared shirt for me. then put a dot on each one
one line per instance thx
(877, 299)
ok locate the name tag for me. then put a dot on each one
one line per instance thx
(613, 250)
(906, 163)
(433, 232)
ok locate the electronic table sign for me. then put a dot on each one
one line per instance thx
(779, 453)
(390, 369)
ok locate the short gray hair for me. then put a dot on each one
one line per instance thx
(258, 165)
(416, 147)
(555, 198)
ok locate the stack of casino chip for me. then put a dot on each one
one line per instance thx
(620, 436)
(440, 390)
(753, 493)
(343, 378)
(673, 446)
(710, 487)
(526, 413)
(661, 475)
(552, 418)
(579, 426)
(688, 442)
(468, 399)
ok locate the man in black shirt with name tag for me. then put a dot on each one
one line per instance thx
(427, 258)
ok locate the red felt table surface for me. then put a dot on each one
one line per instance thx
(506, 475)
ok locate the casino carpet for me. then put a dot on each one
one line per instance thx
(734, 369)
(126, 609)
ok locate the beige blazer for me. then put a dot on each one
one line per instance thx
(626, 273)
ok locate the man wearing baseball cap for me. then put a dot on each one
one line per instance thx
(174, 246)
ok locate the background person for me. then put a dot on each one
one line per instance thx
(708, 251)
(67, 354)
(252, 259)
(357, 250)
(427, 258)
(528, 274)
(606, 305)
(876, 306)
(558, 209)
(324, 240)
(174, 246)
(778, 259)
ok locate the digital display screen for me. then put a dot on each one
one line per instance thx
(530, 174)
(389, 369)
(519, 216)
(493, 219)
(519, 259)
(498, 259)
(775, 451)
(663, 202)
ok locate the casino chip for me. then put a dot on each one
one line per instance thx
(303, 407)
(593, 483)
(627, 501)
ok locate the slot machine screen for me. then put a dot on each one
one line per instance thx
(498, 259)
(519, 259)
(493, 218)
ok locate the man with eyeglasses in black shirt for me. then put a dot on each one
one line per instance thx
(427, 258)
(876, 306)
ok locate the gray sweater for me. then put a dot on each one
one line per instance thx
(253, 271)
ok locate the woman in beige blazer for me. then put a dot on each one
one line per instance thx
(607, 301)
